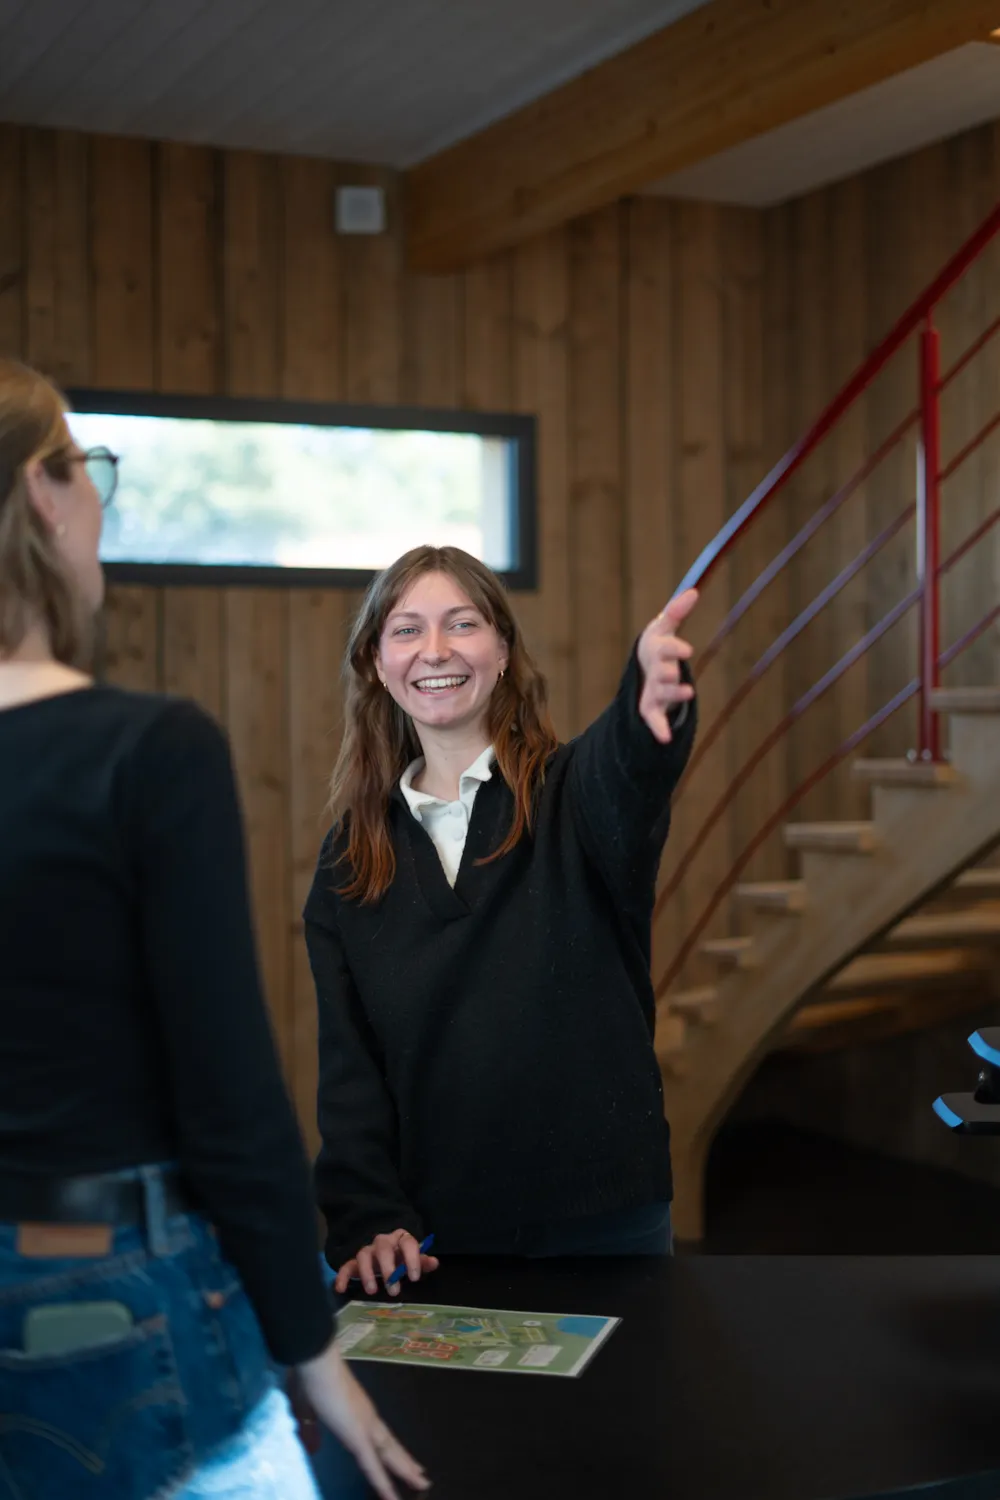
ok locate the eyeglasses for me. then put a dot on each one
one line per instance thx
(102, 471)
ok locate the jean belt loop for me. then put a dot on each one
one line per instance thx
(157, 1237)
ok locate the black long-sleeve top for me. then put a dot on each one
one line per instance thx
(133, 1025)
(486, 1055)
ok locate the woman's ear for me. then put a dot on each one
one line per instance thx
(41, 493)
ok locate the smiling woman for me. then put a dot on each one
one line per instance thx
(479, 935)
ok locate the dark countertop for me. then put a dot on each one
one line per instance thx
(730, 1378)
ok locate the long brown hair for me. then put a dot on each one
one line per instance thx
(34, 584)
(379, 738)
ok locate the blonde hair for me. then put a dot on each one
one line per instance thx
(35, 586)
(379, 739)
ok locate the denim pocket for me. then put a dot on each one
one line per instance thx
(105, 1423)
(242, 1367)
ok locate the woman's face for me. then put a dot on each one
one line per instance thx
(438, 657)
(71, 508)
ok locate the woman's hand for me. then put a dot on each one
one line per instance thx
(344, 1407)
(384, 1254)
(660, 653)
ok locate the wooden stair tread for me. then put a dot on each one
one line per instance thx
(773, 895)
(830, 1025)
(819, 1014)
(969, 891)
(831, 838)
(728, 950)
(881, 970)
(984, 880)
(975, 924)
(967, 700)
(698, 1006)
(902, 772)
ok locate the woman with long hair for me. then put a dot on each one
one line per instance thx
(157, 1233)
(479, 932)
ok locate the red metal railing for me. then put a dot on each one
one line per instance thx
(925, 421)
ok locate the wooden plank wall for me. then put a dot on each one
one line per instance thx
(671, 352)
(844, 263)
(633, 334)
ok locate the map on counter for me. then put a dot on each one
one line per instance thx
(471, 1338)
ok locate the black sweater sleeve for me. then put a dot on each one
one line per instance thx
(357, 1176)
(621, 780)
(239, 1145)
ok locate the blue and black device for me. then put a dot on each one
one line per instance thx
(977, 1113)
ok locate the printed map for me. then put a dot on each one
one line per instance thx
(471, 1338)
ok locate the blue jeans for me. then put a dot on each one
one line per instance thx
(179, 1394)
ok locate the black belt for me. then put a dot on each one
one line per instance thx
(101, 1199)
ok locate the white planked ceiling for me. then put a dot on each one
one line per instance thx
(953, 92)
(390, 81)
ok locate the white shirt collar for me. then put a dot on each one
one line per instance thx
(468, 783)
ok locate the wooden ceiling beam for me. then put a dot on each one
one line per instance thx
(728, 71)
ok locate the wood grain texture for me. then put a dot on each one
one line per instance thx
(12, 246)
(188, 209)
(58, 283)
(189, 360)
(670, 353)
(121, 206)
(719, 75)
(596, 458)
(541, 386)
(700, 512)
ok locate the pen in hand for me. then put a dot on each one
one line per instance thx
(400, 1270)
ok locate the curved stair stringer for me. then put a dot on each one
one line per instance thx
(922, 840)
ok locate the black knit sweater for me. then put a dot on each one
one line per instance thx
(486, 1057)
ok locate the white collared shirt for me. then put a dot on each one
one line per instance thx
(447, 822)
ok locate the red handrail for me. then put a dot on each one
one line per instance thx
(803, 537)
(931, 476)
(699, 573)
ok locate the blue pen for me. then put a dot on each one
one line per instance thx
(400, 1271)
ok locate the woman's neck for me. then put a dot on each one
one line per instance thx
(31, 671)
(446, 756)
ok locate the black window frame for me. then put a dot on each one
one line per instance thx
(519, 429)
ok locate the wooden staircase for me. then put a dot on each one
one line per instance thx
(885, 912)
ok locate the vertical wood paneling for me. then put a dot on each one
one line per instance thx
(318, 623)
(374, 289)
(671, 353)
(58, 281)
(541, 327)
(189, 362)
(847, 349)
(817, 649)
(256, 619)
(742, 267)
(189, 269)
(123, 357)
(649, 401)
(313, 368)
(431, 373)
(311, 321)
(12, 259)
(596, 604)
(700, 512)
(889, 205)
(122, 250)
(652, 567)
